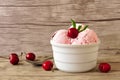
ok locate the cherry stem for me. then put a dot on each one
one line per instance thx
(4, 57)
(22, 53)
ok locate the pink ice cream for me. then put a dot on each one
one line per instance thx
(61, 37)
(85, 37)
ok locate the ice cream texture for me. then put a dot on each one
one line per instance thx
(61, 37)
(87, 36)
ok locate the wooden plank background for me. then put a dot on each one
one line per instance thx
(27, 25)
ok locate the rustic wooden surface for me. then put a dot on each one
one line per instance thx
(26, 25)
(26, 71)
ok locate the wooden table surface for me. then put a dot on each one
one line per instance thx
(26, 71)
(27, 25)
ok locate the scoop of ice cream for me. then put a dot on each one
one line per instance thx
(85, 37)
(61, 37)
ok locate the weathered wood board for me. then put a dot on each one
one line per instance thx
(26, 71)
(27, 25)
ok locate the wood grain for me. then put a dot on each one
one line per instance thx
(26, 71)
(27, 25)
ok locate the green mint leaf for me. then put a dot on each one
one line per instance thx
(79, 27)
(84, 28)
(73, 23)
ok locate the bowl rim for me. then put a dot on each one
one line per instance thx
(75, 45)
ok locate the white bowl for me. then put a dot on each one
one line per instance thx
(75, 58)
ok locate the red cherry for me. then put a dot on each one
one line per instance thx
(72, 33)
(104, 67)
(47, 65)
(30, 56)
(14, 58)
(13, 54)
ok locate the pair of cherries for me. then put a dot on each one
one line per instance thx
(14, 59)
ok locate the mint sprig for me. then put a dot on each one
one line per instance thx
(79, 27)
(73, 23)
(84, 28)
